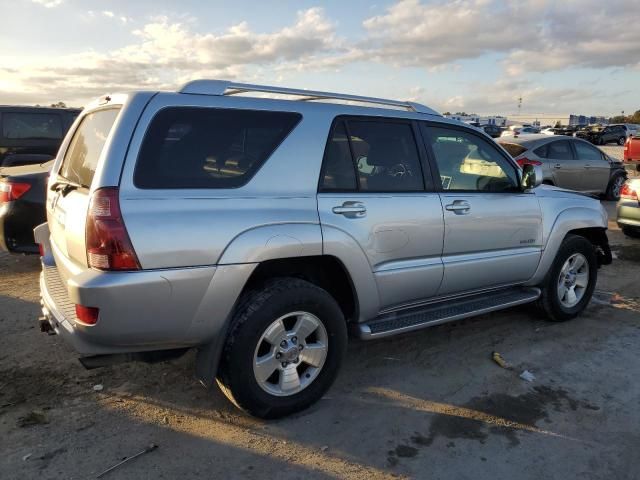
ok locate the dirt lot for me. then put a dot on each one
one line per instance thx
(425, 405)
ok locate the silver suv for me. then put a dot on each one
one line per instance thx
(262, 231)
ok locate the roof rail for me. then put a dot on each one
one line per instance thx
(223, 87)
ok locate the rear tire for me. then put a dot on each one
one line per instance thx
(615, 185)
(621, 140)
(557, 301)
(260, 356)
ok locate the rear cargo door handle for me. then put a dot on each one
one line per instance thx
(557, 165)
(459, 207)
(350, 209)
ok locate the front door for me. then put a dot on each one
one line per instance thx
(372, 188)
(596, 168)
(566, 170)
(493, 230)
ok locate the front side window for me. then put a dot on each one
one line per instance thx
(587, 152)
(32, 126)
(470, 163)
(81, 159)
(192, 147)
(560, 150)
(383, 155)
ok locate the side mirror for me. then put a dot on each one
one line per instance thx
(531, 176)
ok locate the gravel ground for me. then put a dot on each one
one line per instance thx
(425, 405)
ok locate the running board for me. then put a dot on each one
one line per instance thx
(444, 311)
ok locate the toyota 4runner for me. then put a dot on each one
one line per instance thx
(262, 231)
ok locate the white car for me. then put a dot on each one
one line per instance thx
(516, 131)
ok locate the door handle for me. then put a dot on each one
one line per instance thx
(557, 166)
(587, 166)
(350, 209)
(459, 207)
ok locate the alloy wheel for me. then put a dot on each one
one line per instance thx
(290, 354)
(573, 280)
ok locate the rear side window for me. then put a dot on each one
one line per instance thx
(33, 126)
(81, 158)
(560, 150)
(191, 147)
(514, 149)
(373, 156)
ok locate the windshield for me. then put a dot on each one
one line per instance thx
(81, 158)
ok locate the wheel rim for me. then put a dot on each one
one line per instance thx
(290, 354)
(573, 280)
(617, 186)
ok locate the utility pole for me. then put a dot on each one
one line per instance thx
(519, 107)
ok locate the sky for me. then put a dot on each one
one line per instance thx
(561, 57)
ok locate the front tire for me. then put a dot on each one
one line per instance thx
(284, 349)
(571, 280)
(613, 190)
(633, 232)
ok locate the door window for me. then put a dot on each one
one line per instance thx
(560, 150)
(470, 163)
(587, 152)
(384, 155)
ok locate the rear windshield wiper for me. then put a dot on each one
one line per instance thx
(65, 186)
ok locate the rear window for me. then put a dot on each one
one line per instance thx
(32, 126)
(81, 158)
(514, 149)
(191, 147)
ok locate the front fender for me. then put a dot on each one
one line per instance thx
(572, 218)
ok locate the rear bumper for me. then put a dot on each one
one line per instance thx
(628, 213)
(17, 221)
(141, 311)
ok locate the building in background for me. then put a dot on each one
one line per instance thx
(586, 120)
(481, 119)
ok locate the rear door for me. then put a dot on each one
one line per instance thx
(372, 188)
(597, 168)
(67, 206)
(493, 230)
(566, 170)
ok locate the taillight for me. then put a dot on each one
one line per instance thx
(628, 193)
(108, 244)
(41, 249)
(525, 161)
(87, 315)
(10, 191)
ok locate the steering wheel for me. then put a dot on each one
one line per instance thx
(399, 170)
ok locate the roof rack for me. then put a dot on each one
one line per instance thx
(223, 87)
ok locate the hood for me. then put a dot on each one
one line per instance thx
(557, 192)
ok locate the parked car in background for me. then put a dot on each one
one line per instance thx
(517, 131)
(22, 197)
(599, 135)
(569, 162)
(631, 151)
(32, 135)
(494, 131)
(272, 240)
(628, 209)
(630, 128)
(548, 131)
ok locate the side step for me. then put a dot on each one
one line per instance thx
(444, 311)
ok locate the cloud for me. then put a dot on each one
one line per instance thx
(167, 53)
(533, 35)
(48, 3)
